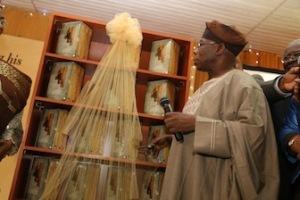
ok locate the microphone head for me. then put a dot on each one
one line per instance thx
(164, 100)
(298, 60)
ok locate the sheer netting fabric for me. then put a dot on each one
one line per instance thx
(103, 127)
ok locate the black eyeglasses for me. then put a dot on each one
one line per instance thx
(290, 58)
(202, 43)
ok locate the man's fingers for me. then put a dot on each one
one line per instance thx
(297, 80)
(294, 70)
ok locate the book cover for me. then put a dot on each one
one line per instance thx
(65, 82)
(164, 56)
(37, 178)
(75, 188)
(155, 91)
(152, 184)
(50, 134)
(92, 181)
(74, 40)
(114, 183)
(91, 136)
(124, 145)
(60, 139)
(162, 155)
(121, 179)
(53, 164)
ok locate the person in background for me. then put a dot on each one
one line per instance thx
(229, 148)
(278, 94)
(289, 135)
(14, 91)
(289, 138)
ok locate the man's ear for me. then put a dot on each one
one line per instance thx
(220, 49)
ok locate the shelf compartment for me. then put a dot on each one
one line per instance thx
(37, 151)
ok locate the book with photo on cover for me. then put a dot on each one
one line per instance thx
(91, 180)
(75, 187)
(37, 178)
(50, 134)
(155, 91)
(74, 40)
(53, 164)
(66, 81)
(162, 155)
(152, 184)
(164, 56)
(121, 179)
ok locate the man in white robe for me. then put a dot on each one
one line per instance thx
(229, 149)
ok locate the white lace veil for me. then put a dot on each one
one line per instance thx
(103, 125)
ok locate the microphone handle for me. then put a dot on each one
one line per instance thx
(179, 137)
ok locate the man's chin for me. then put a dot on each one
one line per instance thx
(201, 67)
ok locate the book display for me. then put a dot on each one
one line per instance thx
(65, 81)
(92, 178)
(37, 179)
(155, 91)
(151, 186)
(50, 134)
(74, 39)
(162, 155)
(75, 187)
(60, 79)
(164, 56)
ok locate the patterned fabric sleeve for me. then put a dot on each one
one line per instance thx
(14, 132)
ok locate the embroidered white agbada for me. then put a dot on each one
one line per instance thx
(232, 154)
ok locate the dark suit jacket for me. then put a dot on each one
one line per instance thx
(279, 106)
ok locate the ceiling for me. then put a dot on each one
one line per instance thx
(269, 24)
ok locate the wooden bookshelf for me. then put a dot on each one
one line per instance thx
(98, 46)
